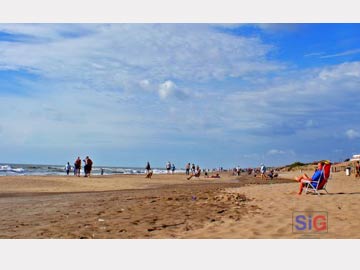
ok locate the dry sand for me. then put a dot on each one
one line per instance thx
(169, 206)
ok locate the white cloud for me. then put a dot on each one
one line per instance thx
(298, 104)
(352, 134)
(349, 70)
(276, 152)
(169, 89)
(50, 119)
(92, 87)
(349, 52)
(166, 89)
(278, 27)
(146, 85)
(118, 55)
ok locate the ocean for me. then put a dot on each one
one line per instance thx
(37, 169)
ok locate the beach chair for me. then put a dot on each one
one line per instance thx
(321, 184)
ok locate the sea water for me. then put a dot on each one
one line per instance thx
(36, 169)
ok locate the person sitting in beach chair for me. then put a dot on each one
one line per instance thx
(196, 173)
(305, 179)
(318, 181)
(321, 185)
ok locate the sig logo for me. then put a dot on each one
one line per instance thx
(310, 222)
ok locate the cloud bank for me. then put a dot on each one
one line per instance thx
(173, 87)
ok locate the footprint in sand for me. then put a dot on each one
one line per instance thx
(284, 230)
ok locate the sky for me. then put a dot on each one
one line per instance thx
(210, 94)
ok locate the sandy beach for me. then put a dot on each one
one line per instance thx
(169, 206)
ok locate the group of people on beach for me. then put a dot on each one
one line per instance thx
(262, 171)
(195, 172)
(237, 171)
(170, 167)
(88, 163)
(189, 168)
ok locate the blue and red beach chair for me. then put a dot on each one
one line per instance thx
(321, 184)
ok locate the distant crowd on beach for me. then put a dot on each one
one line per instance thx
(191, 170)
(261, 171)
(88, 163)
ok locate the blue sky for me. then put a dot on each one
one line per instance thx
(212, 94)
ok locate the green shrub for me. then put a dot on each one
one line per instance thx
(295, 164)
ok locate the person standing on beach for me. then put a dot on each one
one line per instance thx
(173, 168)
(68, 168)
(357, 169)
(88, 166)
(147, 168)
(77, 166)
(263, 172)
(187, 169)
(168, 167)
(193, 168)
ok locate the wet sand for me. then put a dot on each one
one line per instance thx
(169, 206)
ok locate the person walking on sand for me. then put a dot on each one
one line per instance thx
(173, 168)
(77, 166)
(68, 168)
(263, 172)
